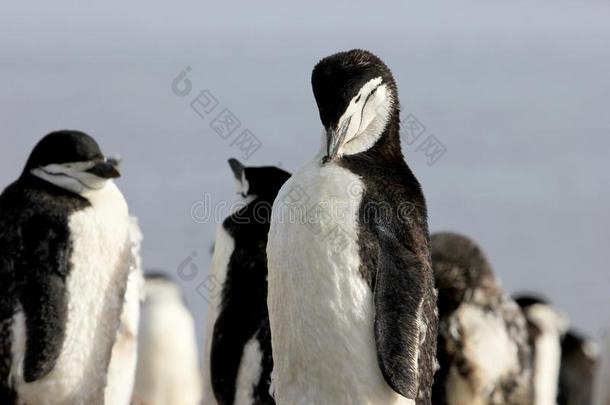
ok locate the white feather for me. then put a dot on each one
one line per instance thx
(321, 310)
(547, 351)
(168, 368)
(249, 373)
(368, 117)
(100, 266)
(483, 332)
(122, 367)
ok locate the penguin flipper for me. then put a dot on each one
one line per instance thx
(44, 300)
(226, 355)
(399, 293)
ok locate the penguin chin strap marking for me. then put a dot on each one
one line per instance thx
(50, 176)
(242, 185)
(362, 123)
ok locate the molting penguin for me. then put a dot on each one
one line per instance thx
(483, 345)
(352, 304)
(546, 326)
(65, 255)
(579, 363)
(238, 358)
(168, 362)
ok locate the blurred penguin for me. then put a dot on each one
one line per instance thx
(483, 349)
(122, 367)
(579, 360)
(237, 354)
(546, 326)
(602, 380)
(168, 362)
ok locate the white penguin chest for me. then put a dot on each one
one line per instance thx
(320, 307)
(100, 262)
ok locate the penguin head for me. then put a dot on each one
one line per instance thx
(264, 181)
(541, 315)
(71, 160)
(159, 286)
(575, 343)
(461, 271)
(356, 96)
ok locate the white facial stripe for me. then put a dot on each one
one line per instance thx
(354, 109)
(71, 176)
(242, 184)
(68, 168)
(367, 117)
(375, 106)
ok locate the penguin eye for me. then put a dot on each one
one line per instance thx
(357, 98)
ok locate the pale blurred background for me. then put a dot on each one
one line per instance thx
(517, 93)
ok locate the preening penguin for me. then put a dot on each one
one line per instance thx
(577, 372)
(237, 359)
(168, 370)
(352, 304)
(546, 326)
(483, 347)
(65, 255)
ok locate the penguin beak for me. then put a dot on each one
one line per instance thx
(335, 137)
(237, 168)
(106, 170)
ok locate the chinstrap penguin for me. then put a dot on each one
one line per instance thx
(168, 370)
(483, 349)
(580, 358)
(352, 304)
(546, 326)
(237, 359)
(65, 255)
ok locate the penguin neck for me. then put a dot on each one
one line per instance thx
(387, 148)
(28, 180)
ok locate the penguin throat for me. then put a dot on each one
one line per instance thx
(82, 185)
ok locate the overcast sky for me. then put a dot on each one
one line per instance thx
(517, 93)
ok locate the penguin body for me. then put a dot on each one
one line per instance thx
(352, 305)
(483, 347)
(64, 262)
(168, 362)
(546, 326)
(577, 372)
(238, 362)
